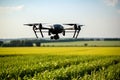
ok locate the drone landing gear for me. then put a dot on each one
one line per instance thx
(55, 37)
(77, 31)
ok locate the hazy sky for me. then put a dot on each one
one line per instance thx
(100, 17)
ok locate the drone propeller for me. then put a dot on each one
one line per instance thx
(69, 24)
(40, 27)
(29, 24)
(76, 27)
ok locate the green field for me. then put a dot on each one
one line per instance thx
(60, 63)
(84, 43)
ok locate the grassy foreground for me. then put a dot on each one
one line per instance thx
(60, 63)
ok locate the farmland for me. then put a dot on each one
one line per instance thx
(60, 63)
(85, 43)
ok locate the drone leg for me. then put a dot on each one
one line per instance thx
(35, 34)
(74, 33)
(64, 33)
(56, 37)
(41, 33)
(77, 33)
(34, 28)
(49, 32)
(52, 37)
(79, 28)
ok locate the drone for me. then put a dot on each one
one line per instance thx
(55, 29)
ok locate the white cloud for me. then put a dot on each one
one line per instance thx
(8, 9)
(111, 2)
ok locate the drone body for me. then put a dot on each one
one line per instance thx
(55, 29)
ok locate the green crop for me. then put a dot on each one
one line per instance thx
(59, 67)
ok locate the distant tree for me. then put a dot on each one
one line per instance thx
(14, 42)
(28, 43)
(38, 44)
(6, 45)
(86, 44)
(1, 43)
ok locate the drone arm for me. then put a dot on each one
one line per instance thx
(69, 28)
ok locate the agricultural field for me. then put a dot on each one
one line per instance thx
(60, 63)
(85, 43)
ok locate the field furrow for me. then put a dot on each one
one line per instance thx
(60, 63)
(76, 71)
(28, 68)
(111, 73)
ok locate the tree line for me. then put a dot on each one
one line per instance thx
(37, 42)
(19, 43)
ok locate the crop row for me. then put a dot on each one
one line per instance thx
(75, 71)
(29, 66)
(111, 73)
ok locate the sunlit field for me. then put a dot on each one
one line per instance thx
(84, 43)
(60, 63)
(62, 50)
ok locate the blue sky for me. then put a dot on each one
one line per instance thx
(100, 17)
